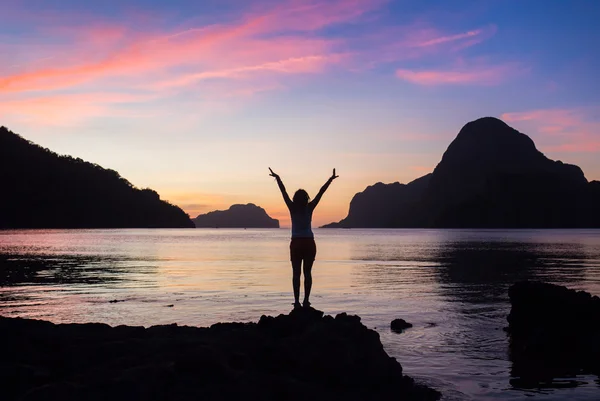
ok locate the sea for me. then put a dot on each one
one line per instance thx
(452, 285)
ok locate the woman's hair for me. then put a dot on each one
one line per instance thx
(301, 198)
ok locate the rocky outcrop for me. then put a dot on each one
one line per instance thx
(554, 332)
(41, 189)
(237, 216)
(385, 206)
(491, 176)
(399, 325)
(300, 356)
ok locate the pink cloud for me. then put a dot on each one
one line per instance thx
(106, 52)
(419, 40)
(555, 121)
(311, 15)
(584, 147)
(452, 38)
(551, 129)
(433, 38)
(263, 48)
(263, 41)
(478, 74)
(297, 65)
(250, 52)
(575, 130)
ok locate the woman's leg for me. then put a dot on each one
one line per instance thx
(308, 264)
(309, 259)
(296, 269)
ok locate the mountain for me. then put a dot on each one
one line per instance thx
(491, 176)
(237, 216)
(385, 205)
(41, 189)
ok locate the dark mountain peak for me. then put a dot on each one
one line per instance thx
(489, 147)
(490, 143)
(237, 216)
(490, 125)
(491, 137)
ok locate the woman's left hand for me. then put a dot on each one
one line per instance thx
(273, 174)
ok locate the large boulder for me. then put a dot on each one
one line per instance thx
(554, 332)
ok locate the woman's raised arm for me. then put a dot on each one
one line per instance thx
(286, 197)
(315, 201)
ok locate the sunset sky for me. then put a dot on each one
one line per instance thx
(196, 99)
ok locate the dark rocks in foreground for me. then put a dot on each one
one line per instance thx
(399, 325)
(554, 332)
(300, 356)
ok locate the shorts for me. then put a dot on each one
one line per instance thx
(303, 249)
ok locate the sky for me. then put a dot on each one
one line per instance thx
(196, 99)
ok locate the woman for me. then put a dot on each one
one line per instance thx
(302, 246)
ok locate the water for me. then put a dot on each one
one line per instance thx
(451, 284)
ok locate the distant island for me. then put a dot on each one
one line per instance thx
(237, 216)
(491, 176)
(41, 189)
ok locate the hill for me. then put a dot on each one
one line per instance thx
(237, 216)
(41, 189)
(491, 176)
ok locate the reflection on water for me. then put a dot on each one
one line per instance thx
(40, 269)
(469, 272)
(451, 284)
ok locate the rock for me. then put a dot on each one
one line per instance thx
(554, 332)
(303, 355)
(399, 325)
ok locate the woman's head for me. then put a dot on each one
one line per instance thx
(301, 198)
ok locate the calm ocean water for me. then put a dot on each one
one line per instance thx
(451, 284)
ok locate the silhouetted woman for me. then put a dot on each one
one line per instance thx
(302, 246)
